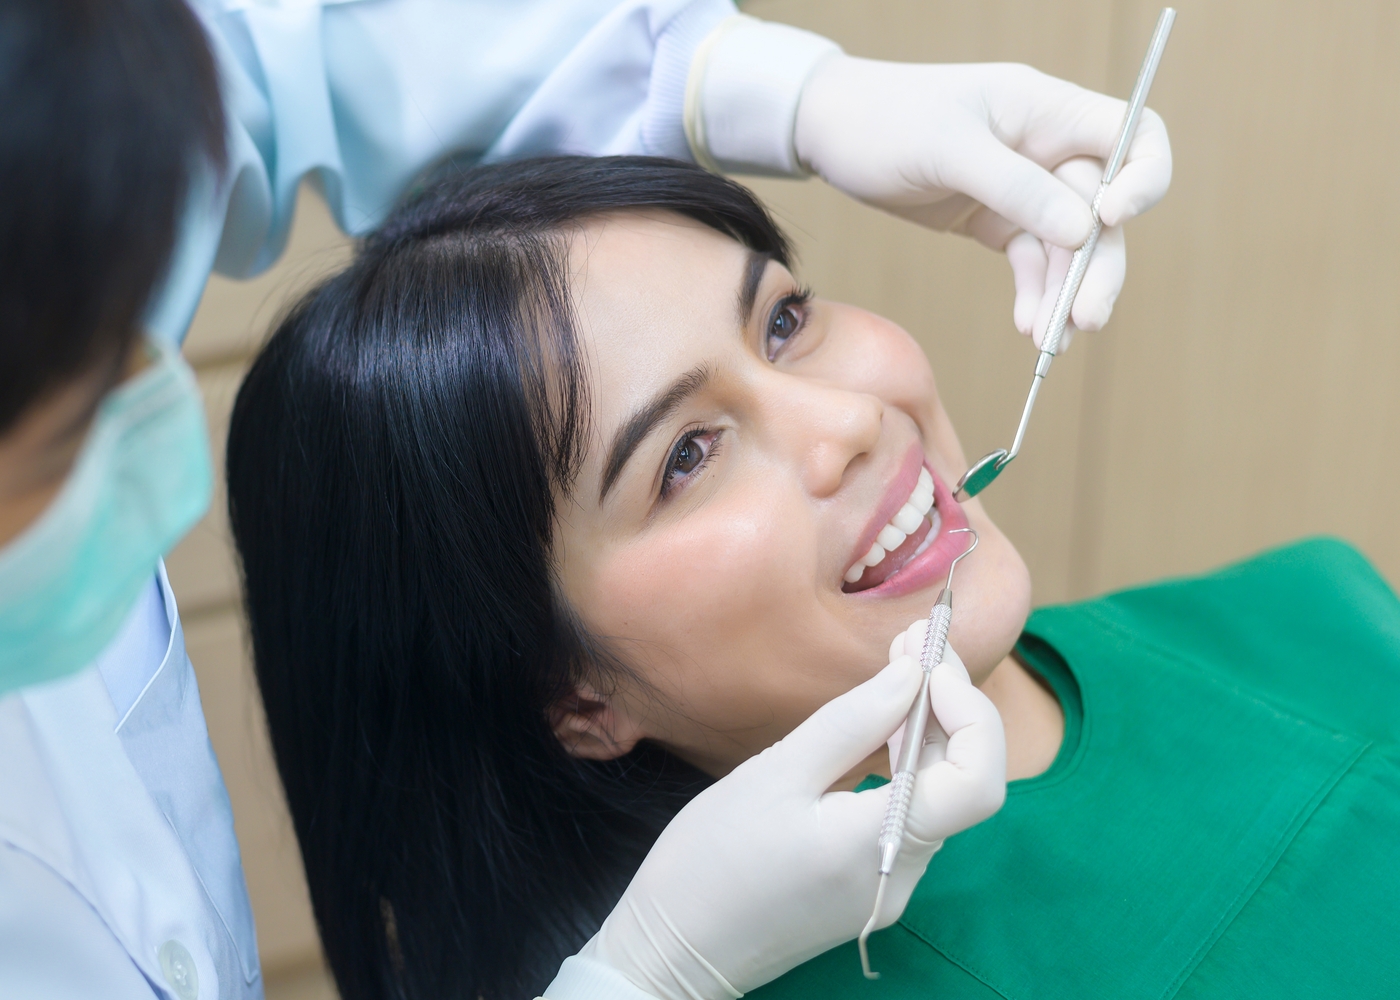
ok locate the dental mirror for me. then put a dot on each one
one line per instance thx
(980, 475)
(987, 468)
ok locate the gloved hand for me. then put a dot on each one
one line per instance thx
(766, 869)
(987, 150)
(973, 149)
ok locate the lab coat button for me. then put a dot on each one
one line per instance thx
(179, 970)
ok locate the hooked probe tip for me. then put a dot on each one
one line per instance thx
(870, 926)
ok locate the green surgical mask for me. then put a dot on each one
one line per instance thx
(142, 479)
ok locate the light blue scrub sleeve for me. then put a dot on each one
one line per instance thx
(361, 96)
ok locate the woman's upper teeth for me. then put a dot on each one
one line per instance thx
(901, 526)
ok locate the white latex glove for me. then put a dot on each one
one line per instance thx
(972, 149)
(766, 869)
(980, 149)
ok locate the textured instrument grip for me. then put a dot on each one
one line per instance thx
(936, 638)
(892, 832)
(1069, 291)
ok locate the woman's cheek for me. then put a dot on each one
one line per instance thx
(877, 356)
(696, 594)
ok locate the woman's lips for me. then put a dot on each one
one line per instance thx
(908, 569)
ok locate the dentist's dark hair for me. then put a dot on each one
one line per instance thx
(108, 108)
(395, 459)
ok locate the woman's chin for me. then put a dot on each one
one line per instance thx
(991, 600)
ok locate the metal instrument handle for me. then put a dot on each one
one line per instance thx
(1138, 99)
(1131, 115)
(1079, 263)
(915, 728)
(892, 832)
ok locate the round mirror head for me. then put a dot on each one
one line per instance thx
(980, 476)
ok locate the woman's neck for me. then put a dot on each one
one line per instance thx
(1034, 720)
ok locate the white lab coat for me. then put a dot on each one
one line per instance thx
(362, 96)
(119, 871)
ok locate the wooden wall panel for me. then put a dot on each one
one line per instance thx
(1250, 393)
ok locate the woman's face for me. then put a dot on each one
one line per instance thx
(748, 447)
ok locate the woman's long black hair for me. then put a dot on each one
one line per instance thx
(394, 461)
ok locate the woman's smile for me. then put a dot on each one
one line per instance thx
(908, 547)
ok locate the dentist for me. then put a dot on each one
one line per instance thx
(133, 160)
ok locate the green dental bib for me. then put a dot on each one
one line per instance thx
(1222, 820)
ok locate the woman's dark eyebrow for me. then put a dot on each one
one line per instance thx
(748, 291)
(636, 428)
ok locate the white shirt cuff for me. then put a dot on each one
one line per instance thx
(663, 123)
(742, 94)
(583, 978)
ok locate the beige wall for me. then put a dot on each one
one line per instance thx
(1244, 394)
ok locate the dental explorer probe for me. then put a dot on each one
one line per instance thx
(987, 468)
(915, 726)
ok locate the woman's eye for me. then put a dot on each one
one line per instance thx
(785, 322)
(688, 456)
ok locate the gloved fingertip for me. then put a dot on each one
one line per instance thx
(1140, 185)
(1092, 313)
(1113, 207)
(1111, 213)
(1092, 319)
(1118, 208)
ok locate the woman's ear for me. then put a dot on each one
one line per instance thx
(593, 726)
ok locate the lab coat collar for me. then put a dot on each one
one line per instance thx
(70, 798)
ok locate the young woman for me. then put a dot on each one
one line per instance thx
(566, 497)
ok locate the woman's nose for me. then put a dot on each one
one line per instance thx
(828, 429)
